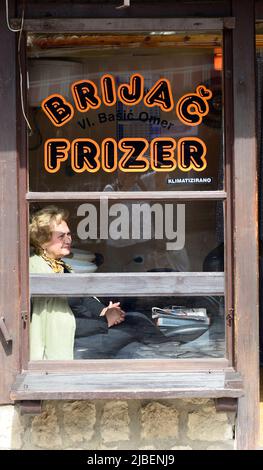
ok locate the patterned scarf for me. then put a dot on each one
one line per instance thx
(57, 265)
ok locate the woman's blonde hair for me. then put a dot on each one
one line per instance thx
(40, 227)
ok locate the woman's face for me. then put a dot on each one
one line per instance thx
(60, 243)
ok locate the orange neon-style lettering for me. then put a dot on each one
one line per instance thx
(162, 154)
(192, 107)
(108, 90)
(109, 155)
(133, 159)
(85, 94)
(132, 93)
(55, 152)
(191, 154)
(57, 109)
(85, 156)
(160, 95)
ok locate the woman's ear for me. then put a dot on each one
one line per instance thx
(43, 249)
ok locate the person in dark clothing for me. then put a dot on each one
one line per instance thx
(214, 261)
(79, 327)
(98, 336)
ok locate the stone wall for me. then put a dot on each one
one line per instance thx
(135, 424)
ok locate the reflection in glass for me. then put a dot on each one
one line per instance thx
(54, 65)
(88, 328)
(164, 327)
(141, 236)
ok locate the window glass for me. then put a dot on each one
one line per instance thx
(125, 113)
(153, 328)
(143, 236)
(188, 156)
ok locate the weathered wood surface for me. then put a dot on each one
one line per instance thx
(23, 215)
(127, 284)
(49, 41)
(229, 204)
(130, 385)
(220, 8)
(63, 25)
(245, 222)
(9, 229)
(136, 365)
(144, 195)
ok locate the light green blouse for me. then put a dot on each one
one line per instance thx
(53, 325)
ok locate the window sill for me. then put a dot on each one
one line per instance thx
(119, 385)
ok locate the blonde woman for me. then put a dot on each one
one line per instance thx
(53, 324)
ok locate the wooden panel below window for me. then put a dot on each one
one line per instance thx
(57, 386)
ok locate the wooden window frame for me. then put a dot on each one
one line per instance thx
(240, 95)
(100, 284)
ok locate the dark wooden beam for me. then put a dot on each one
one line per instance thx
(218, 8)
(259, 10)
(30, 407)
(245, 222)
(226, 404)
(75, 25)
